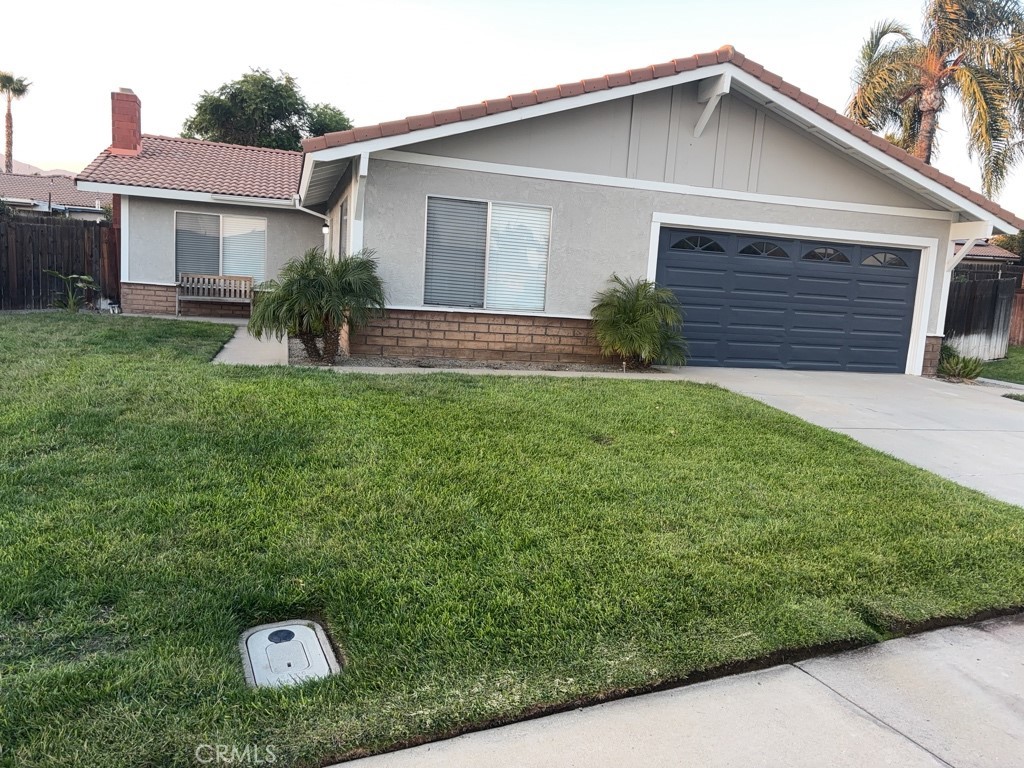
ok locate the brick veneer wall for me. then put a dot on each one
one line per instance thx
(147, 299)
(932, 347)
(471, 336)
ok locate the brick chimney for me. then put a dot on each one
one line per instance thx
(126, 122)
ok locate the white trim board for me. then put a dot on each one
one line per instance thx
(925, 277)
(194, 197)
(437, 161)
(481, 311)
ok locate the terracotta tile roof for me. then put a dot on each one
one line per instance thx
(986, 250)
(725, 54)
(190, 165)
(59, 190)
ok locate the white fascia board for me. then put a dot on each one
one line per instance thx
(967, 230)
(307, 173)
(179, 194)
(877, 156)
(501, 169)
(515, 115)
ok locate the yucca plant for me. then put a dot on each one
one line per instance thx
(953, 365)
(639, 322)
(71, 297)
(318, 299)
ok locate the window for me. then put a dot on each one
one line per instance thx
(486, 255)
(343, 228)
(697, 243)
(827, 254)
(212, 244)
(764, 248)
(883, 259)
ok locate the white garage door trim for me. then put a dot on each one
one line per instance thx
(922, 298)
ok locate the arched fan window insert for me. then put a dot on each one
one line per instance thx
(764, 248)
(697, 243)
(883, 259)
(827, 254)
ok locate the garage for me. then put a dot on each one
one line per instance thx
(760, 301)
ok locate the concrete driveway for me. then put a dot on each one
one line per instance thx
(966, 432)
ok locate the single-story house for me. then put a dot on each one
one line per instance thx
(793, 237)
(986, 252)
(187, 206)
(32, 193)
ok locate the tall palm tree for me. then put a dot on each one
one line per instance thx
(970, 49)
(13, 88)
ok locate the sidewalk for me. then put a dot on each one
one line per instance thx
(952, 697)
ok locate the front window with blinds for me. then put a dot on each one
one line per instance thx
(212, 244)
(486, 255)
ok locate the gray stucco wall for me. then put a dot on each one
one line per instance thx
(150, 235)
(595, 230)
(650, 137)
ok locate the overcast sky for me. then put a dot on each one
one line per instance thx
(385, 59)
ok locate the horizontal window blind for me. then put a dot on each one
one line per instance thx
(456, 252)
(196, 244)
(517, 257)
(245, 246)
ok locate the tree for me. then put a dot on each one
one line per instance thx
(639, 322)
(970, 49)
(1013, 243)
(260, 110)
(13, 88)
(317, 300)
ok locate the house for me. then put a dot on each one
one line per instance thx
(986, 252)
(51, 194)
(187, 206)
(793, 237)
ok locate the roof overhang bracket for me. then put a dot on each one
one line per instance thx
(972, 232)
(709, 92)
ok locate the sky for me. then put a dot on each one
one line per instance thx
(386, 59)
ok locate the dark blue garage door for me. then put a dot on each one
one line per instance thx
(766, 302)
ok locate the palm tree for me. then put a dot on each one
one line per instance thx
(970, 49)
(318, 299)
(639, 322)
(13, 88)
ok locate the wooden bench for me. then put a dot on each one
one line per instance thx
(233, 289)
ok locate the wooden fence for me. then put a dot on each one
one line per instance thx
(978, 314)
(31, 244)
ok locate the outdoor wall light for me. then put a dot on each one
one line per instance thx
(326, 229)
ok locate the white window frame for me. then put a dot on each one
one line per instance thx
(487, 255)
(220, 237)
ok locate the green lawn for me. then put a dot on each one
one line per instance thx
(1009, 369)
(478, 546)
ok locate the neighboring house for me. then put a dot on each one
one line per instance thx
(187, 206)
(793, 237)
(985, 252)
(51, 194)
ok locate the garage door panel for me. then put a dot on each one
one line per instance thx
(786, 311)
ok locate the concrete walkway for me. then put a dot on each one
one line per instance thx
(954, 697)
(243, 349)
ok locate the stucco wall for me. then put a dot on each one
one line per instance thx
(595, 230)
(150, 235)
(650, 137)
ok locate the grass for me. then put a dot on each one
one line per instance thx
(478, 546)
(1011, 368)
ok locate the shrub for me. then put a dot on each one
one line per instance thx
(71, 296)
(639, 322)
(318, 299)
(953, 365)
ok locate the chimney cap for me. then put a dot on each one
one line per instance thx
(126, 90)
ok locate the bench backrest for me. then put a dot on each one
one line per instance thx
(219, 286)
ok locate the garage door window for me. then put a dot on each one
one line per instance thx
(882, 259)
(486, 255)
(827, 254)
(698, 243)
(764, 248)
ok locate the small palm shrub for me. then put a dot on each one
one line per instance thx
(953, 365)
(71, 297)
(318, 299)
(639, 322)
